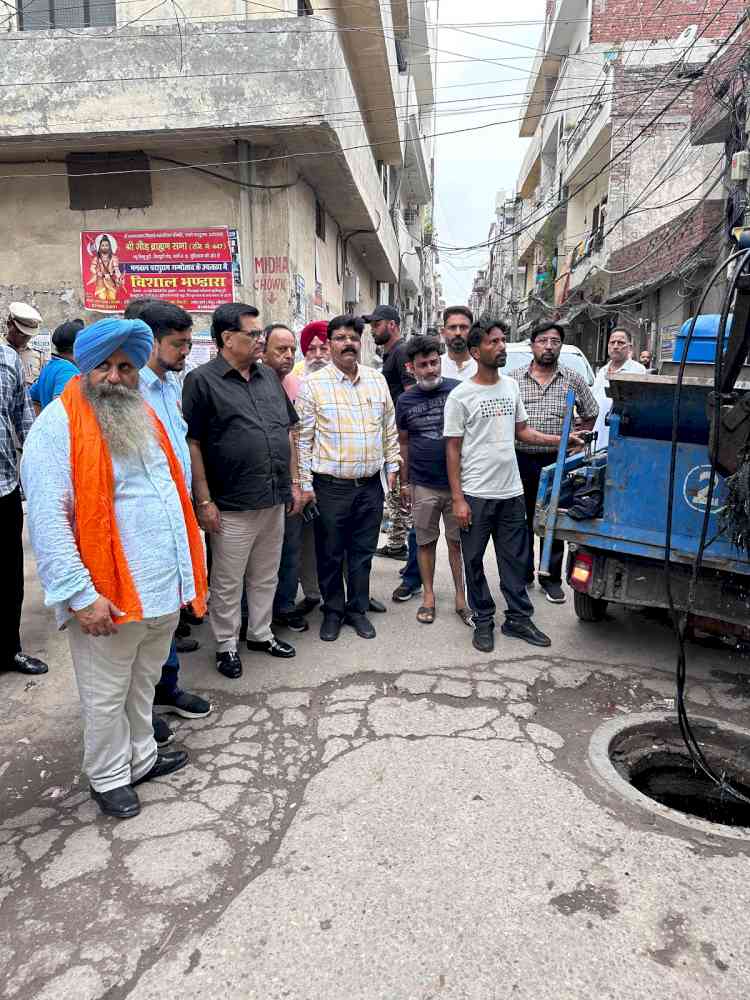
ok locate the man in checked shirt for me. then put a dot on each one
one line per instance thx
(16, 418)
(347, 434)
(544, 388)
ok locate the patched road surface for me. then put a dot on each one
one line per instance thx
(402, 819)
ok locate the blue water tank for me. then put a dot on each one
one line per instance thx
(703, 342)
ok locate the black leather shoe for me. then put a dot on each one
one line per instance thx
(166, 763)
(25, 664)
(377, 607)
(122, 802)
(330, 628)
(307, 605)
(229, 664)
(274, 647)
(186, 645)
(361, 625)
(182, 631)
(483, 638)
(527, 631)
(189, 617)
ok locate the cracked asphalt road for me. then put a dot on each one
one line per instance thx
(394, 819)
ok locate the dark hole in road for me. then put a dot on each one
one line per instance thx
(654, 760)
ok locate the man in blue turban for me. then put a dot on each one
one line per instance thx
(118, 552)
(99, 341)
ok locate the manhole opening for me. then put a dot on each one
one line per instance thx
(652, 757)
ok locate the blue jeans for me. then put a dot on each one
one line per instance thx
(169, 672)
(411, 577)
(286, 589)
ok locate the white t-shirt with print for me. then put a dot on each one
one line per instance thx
(485, 416)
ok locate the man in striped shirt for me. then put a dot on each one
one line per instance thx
(347, 434)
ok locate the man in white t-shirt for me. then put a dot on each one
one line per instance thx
(483, 419)
(619, 347)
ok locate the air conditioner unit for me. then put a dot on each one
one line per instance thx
(351, 288)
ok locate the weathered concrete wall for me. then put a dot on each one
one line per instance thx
(39, 258)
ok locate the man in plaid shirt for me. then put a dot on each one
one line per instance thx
(544, 389)
(347, 435)
(16, 418)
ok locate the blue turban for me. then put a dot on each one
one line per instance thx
(97, 342)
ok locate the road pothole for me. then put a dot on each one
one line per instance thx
(646, 761)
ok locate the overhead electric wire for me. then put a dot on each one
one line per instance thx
(643, 130)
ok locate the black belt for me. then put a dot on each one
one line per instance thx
(321, 477)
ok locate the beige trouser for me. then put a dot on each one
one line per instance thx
(247, 550)
(308, 565)
(116, 675)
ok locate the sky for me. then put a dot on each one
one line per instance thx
(471, 167)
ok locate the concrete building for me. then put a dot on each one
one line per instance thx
(620, 216)
(496, 288)
(307, 134)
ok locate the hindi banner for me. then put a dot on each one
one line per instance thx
(190, 267)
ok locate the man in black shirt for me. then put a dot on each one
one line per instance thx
(424, 473)
(244, 460)
(385, 325)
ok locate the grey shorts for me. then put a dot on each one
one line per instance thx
(428, 505)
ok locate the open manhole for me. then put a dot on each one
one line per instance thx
(647, 760)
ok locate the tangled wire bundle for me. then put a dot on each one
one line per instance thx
(735, 517)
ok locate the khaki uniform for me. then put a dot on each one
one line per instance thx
(32, 361)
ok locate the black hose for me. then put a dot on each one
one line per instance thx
(679, 623)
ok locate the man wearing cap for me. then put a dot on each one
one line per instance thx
(313, 342)
(385, 326)
(118, 551)
(544, 390)
(16, 417)
(24, 322)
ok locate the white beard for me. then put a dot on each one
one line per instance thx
(314, 366)
(122, 416)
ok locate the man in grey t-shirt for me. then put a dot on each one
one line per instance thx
(483, 419)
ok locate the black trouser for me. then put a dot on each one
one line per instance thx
(347, 529)
(11, 528)
(530, 467)
(505, 522)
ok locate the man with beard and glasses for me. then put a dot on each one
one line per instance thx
(118, 551)
(172, 328)
(483, 419)
(347, 434)
(240, 432)
(385, 326)
(544, 388)
(419, 419)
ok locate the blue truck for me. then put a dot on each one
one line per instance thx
(617, 546)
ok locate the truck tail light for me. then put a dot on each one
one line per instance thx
(582, 572)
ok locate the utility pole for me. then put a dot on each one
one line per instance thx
(513, 305)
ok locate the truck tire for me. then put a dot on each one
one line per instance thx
(588, 608)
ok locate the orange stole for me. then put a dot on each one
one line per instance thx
(97, 535)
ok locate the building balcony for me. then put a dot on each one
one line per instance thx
(417, 176)
(217, 97)
(565, 21)
(531, 168)
(590, 135)
(595, 253)
(411, 267)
